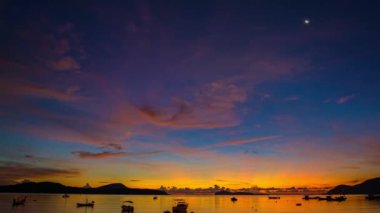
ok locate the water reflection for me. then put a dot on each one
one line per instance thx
(198, 204)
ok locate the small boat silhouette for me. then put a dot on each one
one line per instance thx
(128, 208)
(307, 197)
(86, 204)
(329, 198)
(274, 197)
(19, 201)
(65, 196)
(155, 198)
(234, 199)
(180, 207)
(372, 197)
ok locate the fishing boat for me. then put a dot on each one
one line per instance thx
(340, 198)
(372, 197)
(180, 207)
(234, 199)
(65, 196)
(19, 201)
(307, 197)
(127, 207)
(86, 204)
(325, 198)
(155, 198)
(329, 198)
(274, 197)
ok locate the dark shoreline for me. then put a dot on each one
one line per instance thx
(56, 188)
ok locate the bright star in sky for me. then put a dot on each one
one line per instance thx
(306, 21)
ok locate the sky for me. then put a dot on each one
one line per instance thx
(190, 93)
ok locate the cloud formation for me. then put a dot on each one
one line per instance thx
(66, 63)
(39, 91)
(292, 98)
(345, 99)
(108, 154)
(11, 172)
(213, 107)
(242, 141)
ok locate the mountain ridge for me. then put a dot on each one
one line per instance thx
(370, 186)
(51, 187)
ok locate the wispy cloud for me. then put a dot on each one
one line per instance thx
(242, 141)
(212, 107)
(292, 98)
(34, 90)
(108, 154)
(91, 155)
(66, 63)
(345, 99)
(11, 172)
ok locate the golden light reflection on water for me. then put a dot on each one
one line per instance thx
(197, 204)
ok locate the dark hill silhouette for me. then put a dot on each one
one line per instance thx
(49, 187)
(236, 193)
(371, 186)
(113, 186)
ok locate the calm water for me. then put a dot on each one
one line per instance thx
(199, 204)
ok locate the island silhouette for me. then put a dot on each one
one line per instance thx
(371, 186)
(50, 187)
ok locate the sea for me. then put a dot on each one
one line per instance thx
(46, 203)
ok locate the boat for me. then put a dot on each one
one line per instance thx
(298, 204)
(180, 207)
(128, 207)
(329, 198)
(155, 198)
(19, 201)
(65, 196)
(324, 198)
(340, 198)
(307, 197)
(234, 199)
(274, 197)
(86, 204)
(372, 197)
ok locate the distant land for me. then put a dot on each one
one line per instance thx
(371, 186)
(50, 187)
(237, 193)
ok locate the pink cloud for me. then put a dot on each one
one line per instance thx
(66, 63)
(345, 99)
(213, 107)
(242, 141)
(34, 90)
